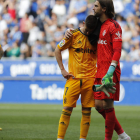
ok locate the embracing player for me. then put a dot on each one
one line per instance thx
(108, 66)
(80, 77)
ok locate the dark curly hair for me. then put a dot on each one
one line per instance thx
(108, 4)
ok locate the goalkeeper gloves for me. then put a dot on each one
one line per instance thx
(104, 89)
(108, 78)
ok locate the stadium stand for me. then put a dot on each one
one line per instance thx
(31, 27)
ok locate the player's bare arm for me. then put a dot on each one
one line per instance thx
(58, 56)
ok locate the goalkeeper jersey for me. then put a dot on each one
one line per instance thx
(110, 32)
(82, 55)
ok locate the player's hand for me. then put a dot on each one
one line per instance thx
(66, 75)
(68, 33)
(104, 89)
(108, 80)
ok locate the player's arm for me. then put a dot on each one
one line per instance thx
(60, 47)
(117, 46)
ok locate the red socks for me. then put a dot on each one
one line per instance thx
(117, 127)
(109, 123)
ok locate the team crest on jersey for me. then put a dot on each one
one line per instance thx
(118, 34)
(104, 32)
(62, 43)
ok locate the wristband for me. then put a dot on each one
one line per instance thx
(111, 70)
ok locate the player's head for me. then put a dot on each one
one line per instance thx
(104, 7)
(89, 24)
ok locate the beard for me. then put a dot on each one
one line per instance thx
(97, 14)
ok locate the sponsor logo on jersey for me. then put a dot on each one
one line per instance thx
(102, 42)
(87, 50)
(118, 34)
(62, 43)
(104, 32)
(79, 42)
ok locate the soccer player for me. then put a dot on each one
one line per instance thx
(108, 55)
(80, 78)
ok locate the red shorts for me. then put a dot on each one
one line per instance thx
(101, 95)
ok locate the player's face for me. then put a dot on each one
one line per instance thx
(97, 9)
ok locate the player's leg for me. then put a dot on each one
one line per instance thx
(64, 122)
(118, 128)
(87, 102)
(71, 95)
(108, 105)
(85, 123)
(99, 107)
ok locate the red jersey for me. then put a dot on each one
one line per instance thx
(110, 32)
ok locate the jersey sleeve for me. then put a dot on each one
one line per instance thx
(65, 43)
(116, 34)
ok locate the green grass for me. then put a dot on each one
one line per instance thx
(40, 122)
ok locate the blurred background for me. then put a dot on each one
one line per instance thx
(31, 29)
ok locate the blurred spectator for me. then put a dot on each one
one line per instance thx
(39, 19)
(50, 27)
(135, 38)
(33, 9)
(1, 6)
(72, 21)
(121, 21)
(7, 17)
(25, 26)
(11, 8)
(126, 38)
(15, 35)
(14, 51)
(118, 6)
(36, 49)
(25, 51)
(23, 7)
(33, 34)
(3, 26)
(134, 54)
(80, 9)
(58, 34)
(49, 49)
(60, 10)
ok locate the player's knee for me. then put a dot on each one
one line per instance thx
(86, 109)
(98, 107)
(68, 108)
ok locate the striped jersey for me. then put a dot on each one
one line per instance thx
(82, 55)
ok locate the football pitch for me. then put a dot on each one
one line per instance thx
(40, 122)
